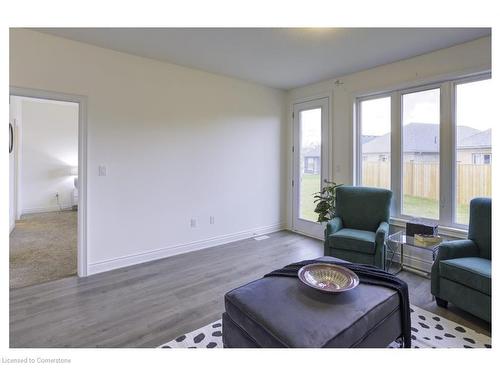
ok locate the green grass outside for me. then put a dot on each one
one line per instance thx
(420, 207)
(412, 206)
(429, 208)
(310, 185)
(463, 214)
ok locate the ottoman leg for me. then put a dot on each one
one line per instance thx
(441, 302)
(401, 342)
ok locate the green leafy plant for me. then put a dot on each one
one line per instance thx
(325, 199)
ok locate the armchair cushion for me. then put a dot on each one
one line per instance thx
(361, 241)
(473, 272)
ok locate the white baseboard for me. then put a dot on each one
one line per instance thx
(148, 256)
(12, 226)
(40, 210)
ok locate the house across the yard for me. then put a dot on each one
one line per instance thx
(421, 144)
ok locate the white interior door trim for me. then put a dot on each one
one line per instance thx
(301, 225)
(82, 261)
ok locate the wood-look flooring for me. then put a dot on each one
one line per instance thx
(149, 304)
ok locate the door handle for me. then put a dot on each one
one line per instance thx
(11, 138)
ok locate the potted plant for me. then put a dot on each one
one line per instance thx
(325, 199)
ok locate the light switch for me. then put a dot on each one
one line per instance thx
(102, 170)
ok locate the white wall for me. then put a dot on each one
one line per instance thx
(49, 152)
(465, 58)
(177, 143)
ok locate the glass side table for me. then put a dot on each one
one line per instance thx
(395, 243)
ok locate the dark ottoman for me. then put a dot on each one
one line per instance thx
(280, 312)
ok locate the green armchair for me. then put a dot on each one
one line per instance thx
(358, 231)
(461, 273)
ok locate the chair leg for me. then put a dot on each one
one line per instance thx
(441, 302)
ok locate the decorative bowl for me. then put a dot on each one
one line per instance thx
(328, 278)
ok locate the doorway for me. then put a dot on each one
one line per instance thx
(310, 163)
(47, 186)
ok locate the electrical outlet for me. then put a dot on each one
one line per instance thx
(212, 220)
(193, 223)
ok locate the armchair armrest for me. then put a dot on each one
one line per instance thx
(333, 226)
(457, 249)
(451, 250)
(380, 236)
(382, 232)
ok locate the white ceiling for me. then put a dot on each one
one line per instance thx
(282, 58)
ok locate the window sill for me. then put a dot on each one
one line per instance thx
(445, 231)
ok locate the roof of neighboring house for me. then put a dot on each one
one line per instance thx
(367, 138)
(421, 137)
(478, 140)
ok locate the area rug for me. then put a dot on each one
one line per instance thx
(428, 331)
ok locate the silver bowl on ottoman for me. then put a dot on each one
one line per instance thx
(328, 278)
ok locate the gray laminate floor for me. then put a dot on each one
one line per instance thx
(149, 304)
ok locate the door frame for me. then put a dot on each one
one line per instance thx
(82, 257)
(299, 225)
(17, 168)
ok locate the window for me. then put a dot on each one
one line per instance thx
(375, 126)
(434, 175)
(477, 159)
(420, 133)
(474, 115)
(310, 148)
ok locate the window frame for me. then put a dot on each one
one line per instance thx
(358, 145)
(400, 94)
(447, 145)
(454, 83)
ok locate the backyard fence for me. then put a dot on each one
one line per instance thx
(421, 179)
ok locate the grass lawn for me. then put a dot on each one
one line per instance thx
(310, 185)
(429, 208)
(463, 214)
(420, 207)
(413, 206)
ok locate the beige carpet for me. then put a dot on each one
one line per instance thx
(43, 248)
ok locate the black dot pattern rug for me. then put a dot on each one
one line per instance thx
(428, 331)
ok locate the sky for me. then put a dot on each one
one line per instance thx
(310, 121)
(475, 104)
(474, 108)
